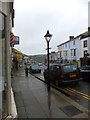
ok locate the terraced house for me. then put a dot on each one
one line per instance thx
(70, 50)
(75, 48)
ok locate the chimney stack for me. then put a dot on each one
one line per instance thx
(71, 37)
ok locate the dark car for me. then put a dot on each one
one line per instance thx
(35, 68)
(63, 74)
(85, 72)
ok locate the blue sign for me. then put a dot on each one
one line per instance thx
(16, 40)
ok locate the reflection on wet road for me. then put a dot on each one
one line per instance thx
(79, 93)
(49, 103)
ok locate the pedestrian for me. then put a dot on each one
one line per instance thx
(16, 64)
(30, 69)
(26, 69)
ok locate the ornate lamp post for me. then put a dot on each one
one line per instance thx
(48, 37)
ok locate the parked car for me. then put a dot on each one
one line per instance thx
(85, 72)
(35, 68)
(63, 74)
(40, 64)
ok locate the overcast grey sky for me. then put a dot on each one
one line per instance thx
(61, 17)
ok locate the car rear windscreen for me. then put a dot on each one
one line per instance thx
(69, 68)
(35, 66)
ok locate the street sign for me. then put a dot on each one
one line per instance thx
(16, 40)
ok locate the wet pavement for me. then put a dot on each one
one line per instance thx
(34, 101)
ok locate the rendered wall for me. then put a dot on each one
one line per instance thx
(89, 14)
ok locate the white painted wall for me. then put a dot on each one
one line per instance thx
(89, 45)
(0, 57)
(60, 49)
(89, 26)
(67, 46)
(78, 46)
(86, 48)
(89, 14)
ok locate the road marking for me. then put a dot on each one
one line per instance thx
(74, 91)
(86, 97)
(82, 94)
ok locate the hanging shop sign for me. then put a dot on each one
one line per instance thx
(16, 40)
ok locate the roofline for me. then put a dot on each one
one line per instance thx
(69, 40)
(82, 34)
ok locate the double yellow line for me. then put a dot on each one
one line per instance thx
(80, 93)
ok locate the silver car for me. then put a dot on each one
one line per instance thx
(35, 68)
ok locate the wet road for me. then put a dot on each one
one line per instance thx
(79, 93)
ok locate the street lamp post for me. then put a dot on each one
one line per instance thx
(48, 37)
